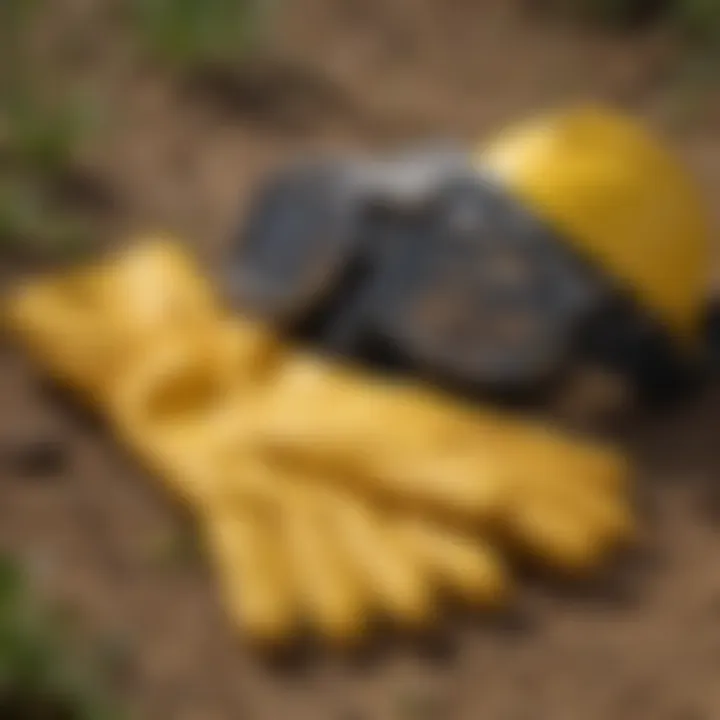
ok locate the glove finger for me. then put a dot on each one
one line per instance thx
(253, 575)
(332, 598)
(559, 536)
(468, 567)
(543, 456)
(397, 580)
(610, 516)
(560, 491)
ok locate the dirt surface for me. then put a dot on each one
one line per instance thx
(106, 544)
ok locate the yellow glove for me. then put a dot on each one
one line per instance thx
(325, 494)
(331, 560)
(561, 498)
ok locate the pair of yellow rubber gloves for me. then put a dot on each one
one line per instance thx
(327, 495)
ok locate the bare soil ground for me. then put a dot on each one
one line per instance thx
(104, 543)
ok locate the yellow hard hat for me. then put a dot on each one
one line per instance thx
(619, 197)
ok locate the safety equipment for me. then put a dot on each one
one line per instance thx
(326, 494)
(614, 192)
(570, 245)
(307, 222)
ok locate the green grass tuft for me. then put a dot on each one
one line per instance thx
(40, 141)
(39, 679)
(193, 33)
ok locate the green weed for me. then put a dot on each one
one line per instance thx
(42, 136)
(698, 19)
(193, 33)
(35, 131)
(38, 677)
(40, 140)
